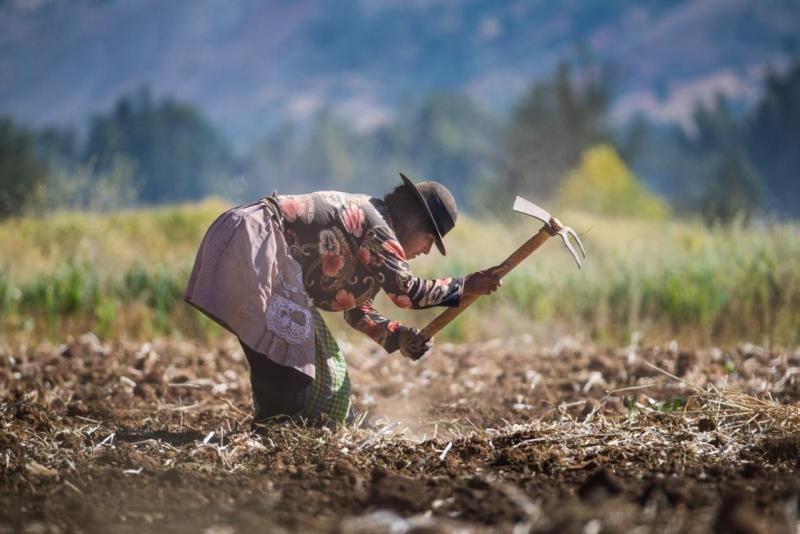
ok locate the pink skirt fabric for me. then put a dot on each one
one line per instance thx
(245, 279)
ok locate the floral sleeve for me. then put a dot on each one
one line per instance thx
(387, 257)
(369, 321)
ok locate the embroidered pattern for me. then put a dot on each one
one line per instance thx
(290, 321)
(349, 252)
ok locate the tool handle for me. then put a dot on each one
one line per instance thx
(503, 269)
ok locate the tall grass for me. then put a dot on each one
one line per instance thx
(123, 275)
(663, 279)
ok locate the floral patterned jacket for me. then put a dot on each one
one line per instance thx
(348, 250)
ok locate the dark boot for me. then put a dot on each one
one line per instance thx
(279, 392)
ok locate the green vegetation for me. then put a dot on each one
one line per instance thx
(724, 165)
(179, 154)
(120, 274)
(603, 184)
(123, 275)
(771, 139)
(551, 127)
(21, 176)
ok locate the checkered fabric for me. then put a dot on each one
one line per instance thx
(329, 395)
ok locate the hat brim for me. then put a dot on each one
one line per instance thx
(437, 232)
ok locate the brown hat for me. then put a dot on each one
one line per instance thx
(438, 203)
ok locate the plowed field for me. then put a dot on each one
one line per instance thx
(482, 437)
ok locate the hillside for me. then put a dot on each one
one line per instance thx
(250, 65)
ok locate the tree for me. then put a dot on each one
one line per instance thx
(296, 160)
(706, 167)
(57, 146)
(21, 176)
(772, 138)
(552, 126)
(82, 186)
(603, 184)
(454, 142)
(272, 163)
(731, 184)
(330, 156)
(447, 137)
(736, 191)
(178, 154)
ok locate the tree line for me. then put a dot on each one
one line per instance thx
(147, 150)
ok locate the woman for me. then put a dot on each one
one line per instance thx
(264, 268)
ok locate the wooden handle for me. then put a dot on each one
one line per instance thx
(503, 269)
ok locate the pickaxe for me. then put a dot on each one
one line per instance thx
(552, 227)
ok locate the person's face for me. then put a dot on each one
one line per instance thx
(418, 243)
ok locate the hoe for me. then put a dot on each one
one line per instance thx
(552, 227)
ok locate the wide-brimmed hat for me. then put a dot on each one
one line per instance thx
(438, 203)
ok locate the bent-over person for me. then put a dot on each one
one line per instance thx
(264, 268)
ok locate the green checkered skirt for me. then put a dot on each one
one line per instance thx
(328, 397)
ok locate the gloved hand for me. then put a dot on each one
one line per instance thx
(482, 282)
(412, 343)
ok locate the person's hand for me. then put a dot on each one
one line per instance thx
(412, 343)
(482, 283)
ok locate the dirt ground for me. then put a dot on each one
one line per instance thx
(500, 436)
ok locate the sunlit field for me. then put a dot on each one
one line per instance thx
(122, 275)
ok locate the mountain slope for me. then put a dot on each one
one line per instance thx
(250, 65)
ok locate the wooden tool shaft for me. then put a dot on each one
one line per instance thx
(503, 269)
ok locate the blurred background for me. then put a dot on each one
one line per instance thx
(665, 131)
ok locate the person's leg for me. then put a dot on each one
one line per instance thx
(277, 390)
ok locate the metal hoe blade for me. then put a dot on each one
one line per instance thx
(529, 208)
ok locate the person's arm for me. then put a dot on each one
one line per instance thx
(383, 253)
(379, 328)
(391, 335)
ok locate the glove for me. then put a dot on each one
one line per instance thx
(482, 282)
(412, 343)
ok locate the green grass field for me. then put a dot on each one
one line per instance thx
(122, 276)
